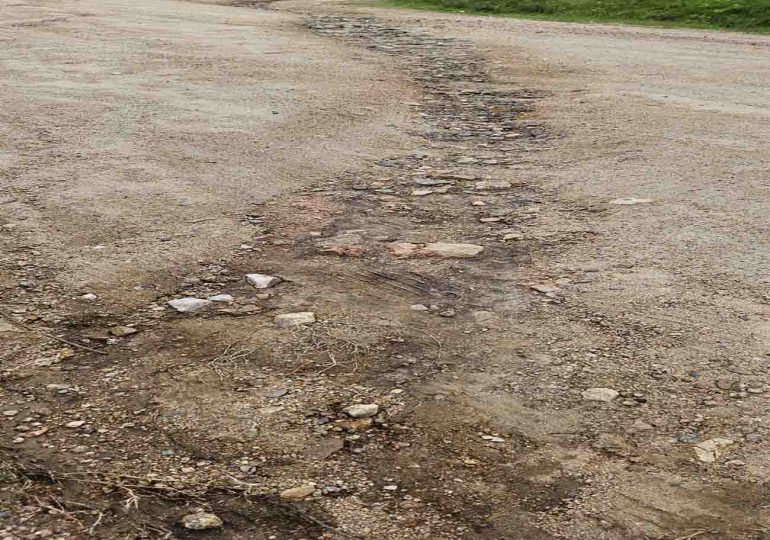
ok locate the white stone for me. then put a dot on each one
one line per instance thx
(441, 249)
(262, 281)
(201, 521)
(630, 201)
(88, 297)
(188, 304)
(362, 410)
(287, 320)
(600, 394)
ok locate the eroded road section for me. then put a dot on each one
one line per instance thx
(444, 277)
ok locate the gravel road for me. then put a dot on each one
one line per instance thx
(592, 363)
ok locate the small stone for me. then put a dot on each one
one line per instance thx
(513, 236)
(343, 250)
(708, 451)
(640, 425)
(248, 309)
(75, 424)
(325, 448)
(478, 203)
(122, 331)
(10, 412)
(545, 287)
(419, 307)
(58, 387)
(88, 297)
(188, 304)
(390, 487)
(297, 493)
(725, 383)
(201, 521)
(421, 192)
(447, 313)
(263, 281)
(362, 410)
(402, 249)
(442, 249)
(223, 298)
(492, 184)
(80, 449)
(630, 201)
(599, 394)
(289, 320)
(493, 439)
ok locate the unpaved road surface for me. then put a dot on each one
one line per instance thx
(599, 370)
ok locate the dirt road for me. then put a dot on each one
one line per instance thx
(590, 363)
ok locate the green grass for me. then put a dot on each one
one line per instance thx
(742, 15)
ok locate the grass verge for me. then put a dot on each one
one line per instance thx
(739, 15)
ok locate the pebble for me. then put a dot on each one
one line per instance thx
(263, 281)
(708, 451)
(442, 249)
(75, 424)
(402, 249)
(599, 394)
(122, 331)
(544, 287)
(362, 410)
(10, 412)
(325, 448)
(289, 320)
(188, 304)
(88, 297)
(492, 184)
(201, 521)
(513, 236)
(419, 307)
(630, 201)
(225, 298)
(297, 493)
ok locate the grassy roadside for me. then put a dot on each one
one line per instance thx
(737, 15)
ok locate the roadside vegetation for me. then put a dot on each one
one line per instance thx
(743, 15)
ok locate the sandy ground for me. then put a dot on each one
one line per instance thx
(159, 149)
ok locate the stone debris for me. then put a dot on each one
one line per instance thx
(325, 448)
(709, 450)
(75, 424)
(402, 249)
(222, 298)
(288, 320)
(88, 297)
(362, 410)
(600, 394)
(263, 281)
(630, 201)
(441, 249)
(343, 250)
(297, 493)
(188, 304)
(122, 331)
(201, 521)
(422, 192)
(485, 185)
(545, 288)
